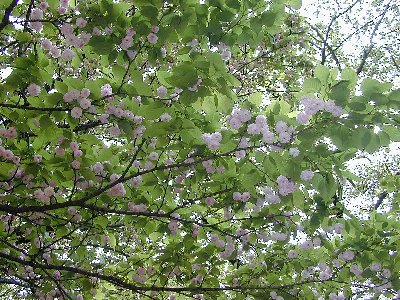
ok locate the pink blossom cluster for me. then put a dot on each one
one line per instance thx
(270, 196)
(37, 158)
(67, 54)
(135, 181)
(81, 97)
(114, 131)
(10, 133)
(210, 169)
(229, 248)
(175, 272)
(162, 92)
(75, 164)
(165, 117)
(339, 296)
(284, 131)
(138, 132)
(98, 169)
(243, 234)
(325, 272)
(62, 8)
(243, 143)
(117, 190)
(45, 194)
(212, 140)
(43, 5)
(278, 236)
(275, 296)
(119, 112)
(376, 267)
(225, 51)
(181, 177)
(84, 184)
(316, 242)
(106, 90)
(260, 125)
(74, 146)
(241, 197)
(294, 152)
(210, 201)
(347, 255)
(285, 186)
(173, 224)
(195, 231)
(137, 208)
(73, 40)
(238, 117)
(33, 89)
(306, 175)
(217, 241)
(53, 49)
(152, 37)
(314, 105)
(36, 14)
(337, 228)
(356, 270)
(140, 275)
(228, 214)
(127, 41)
(56, 275)
(9, 155)
(198, 279)
(292, 254)
(76, 217)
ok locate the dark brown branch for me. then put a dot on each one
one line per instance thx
(382, 197)
(334, 18)
(48, 109)
(371, 44)
(7, 13)
(330, 49)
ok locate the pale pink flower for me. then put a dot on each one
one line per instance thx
(81, 22)
(33, 89)
(76, 112)
(152, 38)
(75, 164)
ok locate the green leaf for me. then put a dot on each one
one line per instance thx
(372, 86)
(102, 44)
(101, 221)
(268, 18)
(23, 37)
(225, 103)
(340, 92)
(112, 241)
(322, 73)
(348, 74)
(296, 4)
(312, 85)
(256, 99)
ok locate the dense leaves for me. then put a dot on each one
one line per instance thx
(182, 150)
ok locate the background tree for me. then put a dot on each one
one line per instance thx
(179, 150)
(358, 34)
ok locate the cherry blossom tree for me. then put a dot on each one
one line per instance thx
(155, 149)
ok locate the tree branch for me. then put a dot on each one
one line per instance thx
(371, 44)
(7, 13)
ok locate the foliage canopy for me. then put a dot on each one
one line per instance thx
(185, 149)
